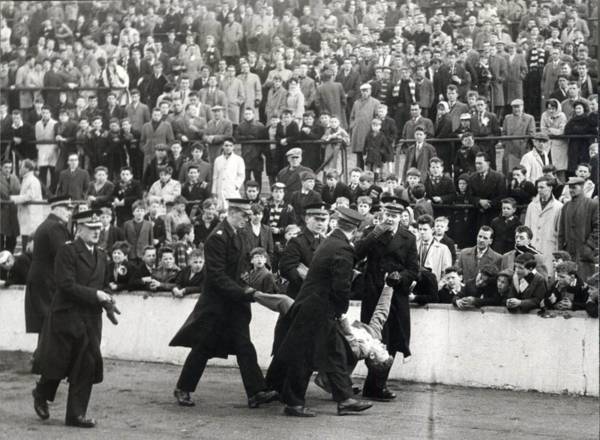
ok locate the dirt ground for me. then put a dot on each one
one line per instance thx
(135, 402)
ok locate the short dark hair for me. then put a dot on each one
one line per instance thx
(509, 201)
(527, 260)
(486, 228)
(524, 229)
(183, 229)
(425, 219)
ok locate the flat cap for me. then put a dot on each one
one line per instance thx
(575, 181)
(294, 152)
(350, 216)
(89, 218)
(214, 108)
(465, 116)
(540, 136)
(307, 175)
(516, 102)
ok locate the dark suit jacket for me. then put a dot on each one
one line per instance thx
(493, 188)
(444, 189)
(73, 184)
(531, 296)
(469, 265)
(330, 196)
(422, 162)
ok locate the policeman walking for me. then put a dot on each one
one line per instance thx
(70, 340)
(219, 325)
(313, 340)
(50, 235)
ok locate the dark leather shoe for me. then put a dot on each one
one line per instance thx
(352, 406)
(383, 395)
(80, 422)
(40, 405)
(298, 411)
(356, 390)
(262, 397)
(183, 398)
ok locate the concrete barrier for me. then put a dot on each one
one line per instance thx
(482, 348)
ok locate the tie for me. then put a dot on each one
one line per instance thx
(544, 159)
(482, 176)
(423, 254)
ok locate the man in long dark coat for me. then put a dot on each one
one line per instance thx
(48, 238)
(389, 248)
(313, 338)
(70, 340)
(219, 325)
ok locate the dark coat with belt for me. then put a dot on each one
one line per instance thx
(299, 249)
(386, 254)
(312, 335)
(221, 318)
(48, 238)
(70, 341)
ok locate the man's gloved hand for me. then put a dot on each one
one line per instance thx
(249, 294)
(393, 279)
(111, 310)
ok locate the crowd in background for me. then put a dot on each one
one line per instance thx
(152, 112)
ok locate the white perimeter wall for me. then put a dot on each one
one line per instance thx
(482, 348)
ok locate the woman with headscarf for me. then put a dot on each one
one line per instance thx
(553, 122)
(579, 124)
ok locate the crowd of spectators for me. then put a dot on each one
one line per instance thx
(154, 111)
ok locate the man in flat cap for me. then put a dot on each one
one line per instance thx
(538, 157)
(313, 340)
(518, 123)
(389, 248)
(363, 112)
(217, 130)
(219, 325)
(70, 340)
(578, 229)
(290, 175)
(50, 235)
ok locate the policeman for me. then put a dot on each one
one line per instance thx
(219, 325)
(293, 266)
(314, 340)
(389, 248)
(70, 339)
(50, 235)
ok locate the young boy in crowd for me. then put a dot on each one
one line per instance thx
(138, 232)
(339, 138)
(391, 186)
(252, 191)
(521, 189)
(184, 245)
(390, 130)
(529, 286)
(120, 270)
(504, 227)
(143, 273)
(504, 283)
(568, 292)
(413, 178)
(206, 222)
(377, 148)
(422, 204)
(260, 277)
(191, 279)
(166, 272)
(363, 206)
(452, 286)
(367, 187)
(440, 228)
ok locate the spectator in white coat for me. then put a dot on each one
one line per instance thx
(228, 174)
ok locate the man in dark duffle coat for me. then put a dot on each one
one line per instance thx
(388, 248)
(70, 340)
(219, 325)
(313, 339)
(50, 235)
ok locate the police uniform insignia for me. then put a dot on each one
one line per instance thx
(219, 232)
(68, 242)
